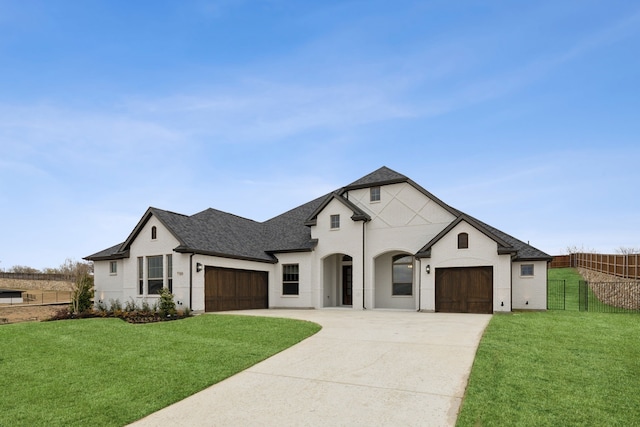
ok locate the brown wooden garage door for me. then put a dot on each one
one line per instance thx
(464, 290)
(231, 289)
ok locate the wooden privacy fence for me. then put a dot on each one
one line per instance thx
(36, 276)
(627, 266)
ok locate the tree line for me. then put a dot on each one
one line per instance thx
(70, 268)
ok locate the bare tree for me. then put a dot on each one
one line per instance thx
(627, 250)
(23, 269)
(72, 268)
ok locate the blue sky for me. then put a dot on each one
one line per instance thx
(525, 115)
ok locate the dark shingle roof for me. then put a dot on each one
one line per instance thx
(218, 233)
(288, 232)
(110, 253)
(382, 176)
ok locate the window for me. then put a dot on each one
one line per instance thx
(402, 275)
(140, 276)
(154, 233)
(335, 221)
(154, 274)
(463, 241)
(526, 270)
(170, 272)
(113, 267)
(374, 194)
(290, 279)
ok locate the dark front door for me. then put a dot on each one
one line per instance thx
(347, 285)
(464, 290)
(231, 289)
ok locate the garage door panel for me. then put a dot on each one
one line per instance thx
(232, 289)
(464, 290)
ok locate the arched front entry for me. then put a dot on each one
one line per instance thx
(395, 282)
(337, 280)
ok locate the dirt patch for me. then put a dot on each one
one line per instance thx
(32, 313)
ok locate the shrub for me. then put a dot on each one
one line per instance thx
(130, 305)
(167, 307)
(82, 294)
(164, 309)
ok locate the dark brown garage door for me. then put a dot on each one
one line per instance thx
(464, 290)
(230, 289)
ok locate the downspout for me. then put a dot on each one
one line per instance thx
(419, 283)
(363, 263)
(190, 280)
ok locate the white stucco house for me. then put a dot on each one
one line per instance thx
(381, 242)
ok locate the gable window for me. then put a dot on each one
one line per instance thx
(113, 268)
(374, 194)
(290, 276)
(402, 275)
(463, 241)
(335, 221)
(154, 233)
(154, 274)
(140, 275)
(526, 270)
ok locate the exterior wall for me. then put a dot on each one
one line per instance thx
(402, 222)
(123, 285)
(345, 240)
(482, 251)
(384, 297)
(304, 299)
(107, 286)
(530, 289)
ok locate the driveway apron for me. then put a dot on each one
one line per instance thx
(364, 368)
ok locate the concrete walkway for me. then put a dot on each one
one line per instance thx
(364, 368)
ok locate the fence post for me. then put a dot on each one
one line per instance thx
(564, 291)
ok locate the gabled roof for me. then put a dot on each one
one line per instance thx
(503, 246)
(218, 233)
(214, 232)
(382, 176)
(358, 214)
(507, 244)
(111, 253)
(386, 176)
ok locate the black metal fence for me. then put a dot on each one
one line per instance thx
(556, 295)
(609, 297)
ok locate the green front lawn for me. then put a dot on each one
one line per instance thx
(556, 368)
(109, 373)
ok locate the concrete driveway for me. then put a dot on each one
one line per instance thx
(364, 368)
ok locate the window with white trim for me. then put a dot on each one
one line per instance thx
(113, 268)
(290, 279)
(335, 222)
(170, 272)
(154, 233)
(374, 194)
(526, 270)
(155, 274)
(402, 275)
(140, 275)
